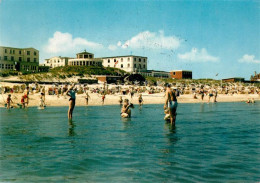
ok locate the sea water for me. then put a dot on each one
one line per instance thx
(211, 143)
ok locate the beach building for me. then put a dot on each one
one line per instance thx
(154, 73)
(128, 63)
(85, 59)
(108, 79)
(56, 62)
(181, 74)
(19, 59)
(235, 79)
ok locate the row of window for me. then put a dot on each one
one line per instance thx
(85, 56)
(20, 59)
(128, 66)
(29, 67)
(20, 52)
(128, 59)
(55, 61)
(6, 66)
(85, 63)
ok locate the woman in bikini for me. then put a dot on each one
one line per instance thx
(72, 94)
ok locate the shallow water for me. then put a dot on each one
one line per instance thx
(211, 143)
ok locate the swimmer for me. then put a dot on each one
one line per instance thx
(126, 111)
(248, 101)
(140, 100)
(171, 102)
(8, 102)
(72, 94)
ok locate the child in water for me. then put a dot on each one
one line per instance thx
(126, 111)
(8, 101)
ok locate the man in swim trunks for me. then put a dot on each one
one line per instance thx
(171, 103)
(71, 92)
(210, 94)
(140, 99)
(87, 97)
(8, 102)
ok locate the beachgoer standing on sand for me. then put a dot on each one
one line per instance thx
(215, 95)
(26, 95)
(8, 102)
(120, 100)
(87, 97)
(171, 102)
(71, 92)
(103, 98)
(126, 111)
(202, 93)
(42, 102)
(22, 102)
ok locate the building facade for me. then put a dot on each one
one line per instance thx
(181, 74)
(128, 63)
(56, 62)
(19, 59)
(236, 79)
(85, 59)
(157, 74)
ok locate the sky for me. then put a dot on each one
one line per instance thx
(215, 39)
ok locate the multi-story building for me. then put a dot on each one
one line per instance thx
(181, 74)
(85, 59)
(128, 63)
(19, 59)
(56, 62)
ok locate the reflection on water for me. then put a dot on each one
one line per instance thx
(210, 143)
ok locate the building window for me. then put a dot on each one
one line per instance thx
(90, 56)
(34, 59)
(5, 50)
(5, 57)
(10, 53)
(108, 61)
(20, 52)
(128, 59)
(144, 67)
(28, 52)
(13, 51)
(12, 58)
(28, 59)
(122, 66)
(144, 59)
(134, 59)
(134, 65)
(0, 59)
(139, 60)
(34, 53)
(108, 65)
(173, 73)
(121, 59)
(140, 66)
(20, 59)
(85, 56)
(114, 60)
(128, 65)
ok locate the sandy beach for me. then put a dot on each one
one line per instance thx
(95, 99)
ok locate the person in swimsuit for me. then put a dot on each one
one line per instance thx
(171, 103)
(202, 93)
(210, 94)
(103, 98)
(126, 111)
(72, 94)
(140, 99)
(87, 97)
(8, 102)
(215, 95)
(26, 96)
(120, 100)
(42, 102)
(22, 102)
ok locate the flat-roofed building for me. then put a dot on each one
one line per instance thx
(85, 59)
(154, 73)
(128, 63)
(235, 79)
(181, 74)
(19, 59)
(56, 62)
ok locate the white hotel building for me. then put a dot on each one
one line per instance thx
(56, 62)
(85, 59)
(128, 63)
